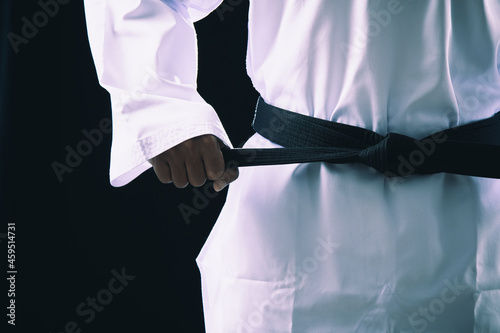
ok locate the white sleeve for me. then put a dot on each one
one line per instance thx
(145, 54)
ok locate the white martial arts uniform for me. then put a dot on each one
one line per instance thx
(319, 247)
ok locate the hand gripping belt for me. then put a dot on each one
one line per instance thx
(472, 149)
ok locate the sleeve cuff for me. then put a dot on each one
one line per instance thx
(129, 156)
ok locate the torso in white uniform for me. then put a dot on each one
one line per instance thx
(340, 248)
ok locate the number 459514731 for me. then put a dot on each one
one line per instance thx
(11, 245)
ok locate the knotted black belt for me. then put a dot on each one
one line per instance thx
(472, 149)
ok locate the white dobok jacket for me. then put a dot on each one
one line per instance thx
(319, 247)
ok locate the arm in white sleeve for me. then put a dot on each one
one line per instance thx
(145, 53)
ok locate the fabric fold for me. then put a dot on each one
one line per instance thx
(145, 53)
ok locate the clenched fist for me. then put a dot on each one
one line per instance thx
(193, 162)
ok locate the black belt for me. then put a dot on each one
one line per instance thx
(472, 149)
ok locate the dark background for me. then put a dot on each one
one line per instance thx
(70, 235)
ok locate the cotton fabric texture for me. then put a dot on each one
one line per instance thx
(318, 247)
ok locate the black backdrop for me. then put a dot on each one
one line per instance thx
(73, 237)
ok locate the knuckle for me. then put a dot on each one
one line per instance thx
(233, 173)
(215, 174)
(165, 180)
(176, 163)
(197, 179)
(198, 183)
(180, 179)
(173, 154)
(210, 145)
(208, 139)
(157, 161)
(181, 184)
